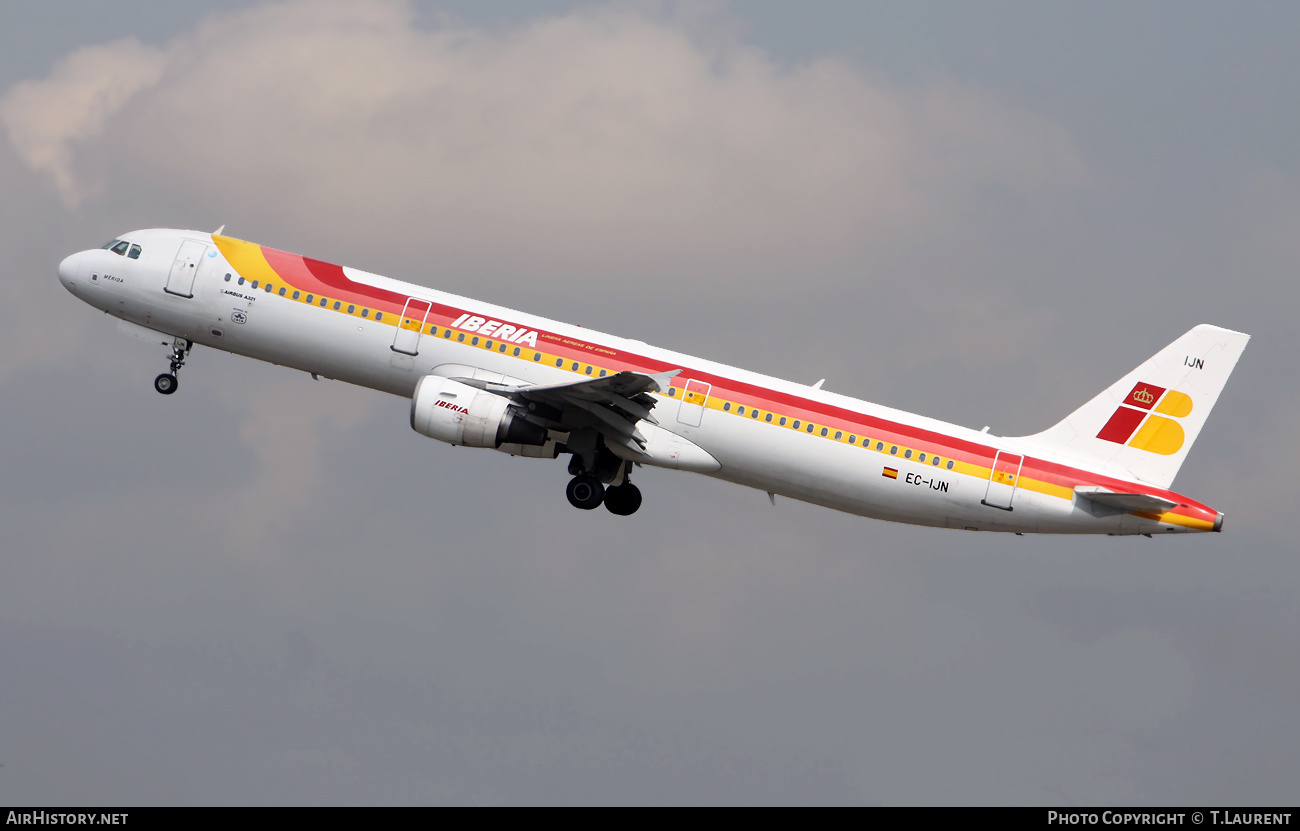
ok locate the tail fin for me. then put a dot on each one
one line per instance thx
(1144, 424)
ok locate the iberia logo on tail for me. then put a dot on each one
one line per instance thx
(1137, 424)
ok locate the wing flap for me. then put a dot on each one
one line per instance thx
(618, 402)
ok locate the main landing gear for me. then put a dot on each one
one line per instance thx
(601, 477)
(167, 382)
(586, 492)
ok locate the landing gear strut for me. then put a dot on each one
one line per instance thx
(599, 476)
(167, 382)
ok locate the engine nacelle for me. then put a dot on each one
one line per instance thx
(453, 412)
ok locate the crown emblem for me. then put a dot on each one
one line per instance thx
(1144, 396)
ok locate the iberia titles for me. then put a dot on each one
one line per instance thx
(496, 329)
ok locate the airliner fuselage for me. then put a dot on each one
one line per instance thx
(482, 375)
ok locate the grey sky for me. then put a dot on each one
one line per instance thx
(270, 590)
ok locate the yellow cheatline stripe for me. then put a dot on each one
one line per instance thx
(247, 258)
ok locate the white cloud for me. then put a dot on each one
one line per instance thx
(589, 139)
(47, 118)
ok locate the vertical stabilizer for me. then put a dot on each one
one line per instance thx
(1144, 424)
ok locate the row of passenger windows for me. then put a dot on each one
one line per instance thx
(324, 302)
(121, 248)
(809, 427)
(488, 343)
(588, 369)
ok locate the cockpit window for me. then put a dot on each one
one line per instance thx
(108, 245)
(120, 248)
(134, 253)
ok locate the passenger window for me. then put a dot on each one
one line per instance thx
(241, 281)
(782, 421)
(950, 464)
(516, 352)
(337, 305)
(325, 300)
(269, 288)
(921, 458)
(907, 454)
(589, 369)
(488, 344)
(893, 451)
(796, 424)
(120, 248)
(227, 278)
(726, 408)
(602, 373)
(474, 342)
(296, 295)
(825, 431)
(460, 337)
(768, 417)
(740, 410)
(839, 434)
(880, 445)
(935, 461)
(365, 313)
(379, 316)
(311, 298)
(502, 348)
(134, 253)
(282, 290)
(560, 362)
(672, 392)
(810, 428)
(575, 366)
(537, 356)
(853, 439)
(753, 413)
(253, 284)
(352, 309)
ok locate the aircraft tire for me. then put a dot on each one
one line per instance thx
(165, 383)
(623, 500)
(585, 491)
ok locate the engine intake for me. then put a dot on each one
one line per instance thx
(456, 413)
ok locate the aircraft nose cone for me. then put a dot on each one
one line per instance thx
(70, 270)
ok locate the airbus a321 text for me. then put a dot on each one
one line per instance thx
(480, 375)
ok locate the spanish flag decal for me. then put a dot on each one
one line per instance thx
(890, 473)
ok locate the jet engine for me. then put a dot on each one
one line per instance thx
(453, 412)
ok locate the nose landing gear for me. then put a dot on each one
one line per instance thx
(167, 382)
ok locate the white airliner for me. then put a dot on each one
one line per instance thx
(484, 376)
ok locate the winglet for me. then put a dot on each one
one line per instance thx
(664, 379)
(217, 232)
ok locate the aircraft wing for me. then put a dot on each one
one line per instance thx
(613, 405)
(1127, 502)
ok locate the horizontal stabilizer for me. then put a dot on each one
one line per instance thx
(1132, 503)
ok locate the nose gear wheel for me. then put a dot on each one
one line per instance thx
(167, 383)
